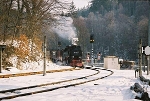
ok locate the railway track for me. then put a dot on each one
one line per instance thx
(18, 91)
(35, 73)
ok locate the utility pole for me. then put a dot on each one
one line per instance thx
(2, 47)
(0, 60)
(148, 57)
(59, 51)
(140, 57)
(147, 65)
(44, 68)
(144, 62)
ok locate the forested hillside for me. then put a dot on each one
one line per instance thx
(117, 25)
(23, 24)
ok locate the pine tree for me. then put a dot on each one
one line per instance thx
(72, 10)
(96, 5)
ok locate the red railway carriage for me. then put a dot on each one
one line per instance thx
(56, 55)
(71, 55)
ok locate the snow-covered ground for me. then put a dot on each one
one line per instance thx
(113, 88)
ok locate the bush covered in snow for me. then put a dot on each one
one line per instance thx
(21, 50)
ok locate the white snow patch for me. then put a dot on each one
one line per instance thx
(113, 88)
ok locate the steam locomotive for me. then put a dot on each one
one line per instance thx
(71, 55)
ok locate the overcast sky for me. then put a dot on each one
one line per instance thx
(81, 3)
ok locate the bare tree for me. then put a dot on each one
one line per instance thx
(82, 33)
(5, 19)
(28, 16)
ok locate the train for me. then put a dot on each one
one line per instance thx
(70, 55)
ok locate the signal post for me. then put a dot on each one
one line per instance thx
(146, 51)
(92, 41)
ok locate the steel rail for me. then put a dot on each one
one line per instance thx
(46, 84)
(35, 73)
(55, 88)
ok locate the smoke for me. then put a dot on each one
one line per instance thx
(65, 28)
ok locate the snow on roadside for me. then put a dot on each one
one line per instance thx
(33, 67)
(113, 88)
